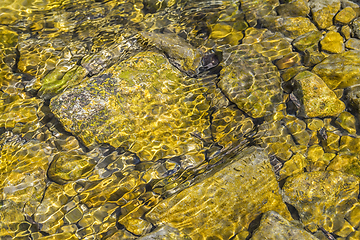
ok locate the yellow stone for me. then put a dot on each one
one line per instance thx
(322, 198)
(354, 236)
(136, 226)
(288, 61)
(273, 227)
(348, 163)
(347, 121)
(289, 73)
(207, 209)
(345, 230)
(345, 16)
(317, 100)
(295, 165)
(220, 31)
(323, 12)
(346, 31)
(353, 43)
(353, 216)
(314, 124)
(333, 42)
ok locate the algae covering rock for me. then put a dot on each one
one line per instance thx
(145, 91)
(274, 227)
(322, 198)
(340, 70)
(251, 81)
(207, 209)
(316, 99)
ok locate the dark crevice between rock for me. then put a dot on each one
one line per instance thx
(281, 183)
(276, 164)
(294, 213)
(254, 225)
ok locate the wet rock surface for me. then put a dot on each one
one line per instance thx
(339, 71)
(274, 226)
(179, 119)
(251, 167)
(316, 99)
(326, 188)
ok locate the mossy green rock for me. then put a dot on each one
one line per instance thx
(274, 227)
(207, 209)
(57, 80)
(317, 100)
(251, 81)
(340, 70)
(322, 198)
(147, 91)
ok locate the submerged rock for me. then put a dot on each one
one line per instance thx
(23, 171)
(340, 70)
(165, 233)
(294, 8)
(316, 99)
(144, 105)
(353, 44)
(322, 198)
(274, 227)
(255, 10)
(251, 81)
(291, 27)
(332, 42)
(323, 11)
(207, 209)
(345, 16)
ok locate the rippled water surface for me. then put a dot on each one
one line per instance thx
(179, 119)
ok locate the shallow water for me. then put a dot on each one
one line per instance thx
(120, 117)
